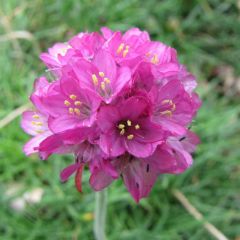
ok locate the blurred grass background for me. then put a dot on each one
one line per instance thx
(206, 35)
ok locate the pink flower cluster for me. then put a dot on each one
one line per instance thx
(121, 103)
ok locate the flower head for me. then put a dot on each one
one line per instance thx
(120, 103)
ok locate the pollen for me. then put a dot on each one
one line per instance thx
(129, 123)
(130, 136)
(73, 97)
(120, 48)
(122, 132)
(101, 74)
(155, 59)
(70, 110)
(77, 111)
(125, 52)
(167, 112)
(77, 103)
(121, 126)
(39, 131)
(37, 123)
(137, 126)
(35, 116)
(67, 103)
(106, 80)
(95, 79)
(103, 86)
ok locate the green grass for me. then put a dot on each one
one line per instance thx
(206, 35)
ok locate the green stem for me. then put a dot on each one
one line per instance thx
(100, 215)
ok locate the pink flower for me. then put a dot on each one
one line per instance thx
(35, 124)
(57, 56)
(121, 104)
(102, 75)
(127, 127)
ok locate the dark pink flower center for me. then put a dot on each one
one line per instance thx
(127, 128)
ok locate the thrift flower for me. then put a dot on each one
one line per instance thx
(120, 103)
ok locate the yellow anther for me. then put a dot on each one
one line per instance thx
(77, 103)
(120, 48)
(35, 116)
(130, 136)
(73, 97)
(39, 131)
(106, 80)
(173, 107)
(121, 126)
(167, 112)
(77, 111)
(67, 103)
(70, 110)
(125, 52)
(37, 123)
(165, 101)
(169, 101)
(122, 131)
(101, 74)
(155, 59)
(103, 86)
(94, 79)
(137, 126)
(129, 123)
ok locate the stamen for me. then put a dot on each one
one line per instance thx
(77, 111)
(37, 123)
(101, 74)
(35, 116)
(130, 136)
(73, 97)
(95, 79)
(106, 80)
(167, 112)
(39, 131)
(121, 126)
(137, 126)
(122, 131)
(70, 110)
(155, 59)
(125, 52)
(67, 103)
(165, 101)
(103, 86)
(120, 48)
(77, 103)
(173, 107)
(129, 123)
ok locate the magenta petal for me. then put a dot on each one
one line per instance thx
(68, 171)
(100, 179)
(139, 179)
(172, 127)
(112, 144)
(107, 118)
(138, 149)
(124, 78)
(31, 146)
(105, 63)
(133, 107)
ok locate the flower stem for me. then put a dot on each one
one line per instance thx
(100, 215)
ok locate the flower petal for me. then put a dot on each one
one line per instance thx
(138, 179)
